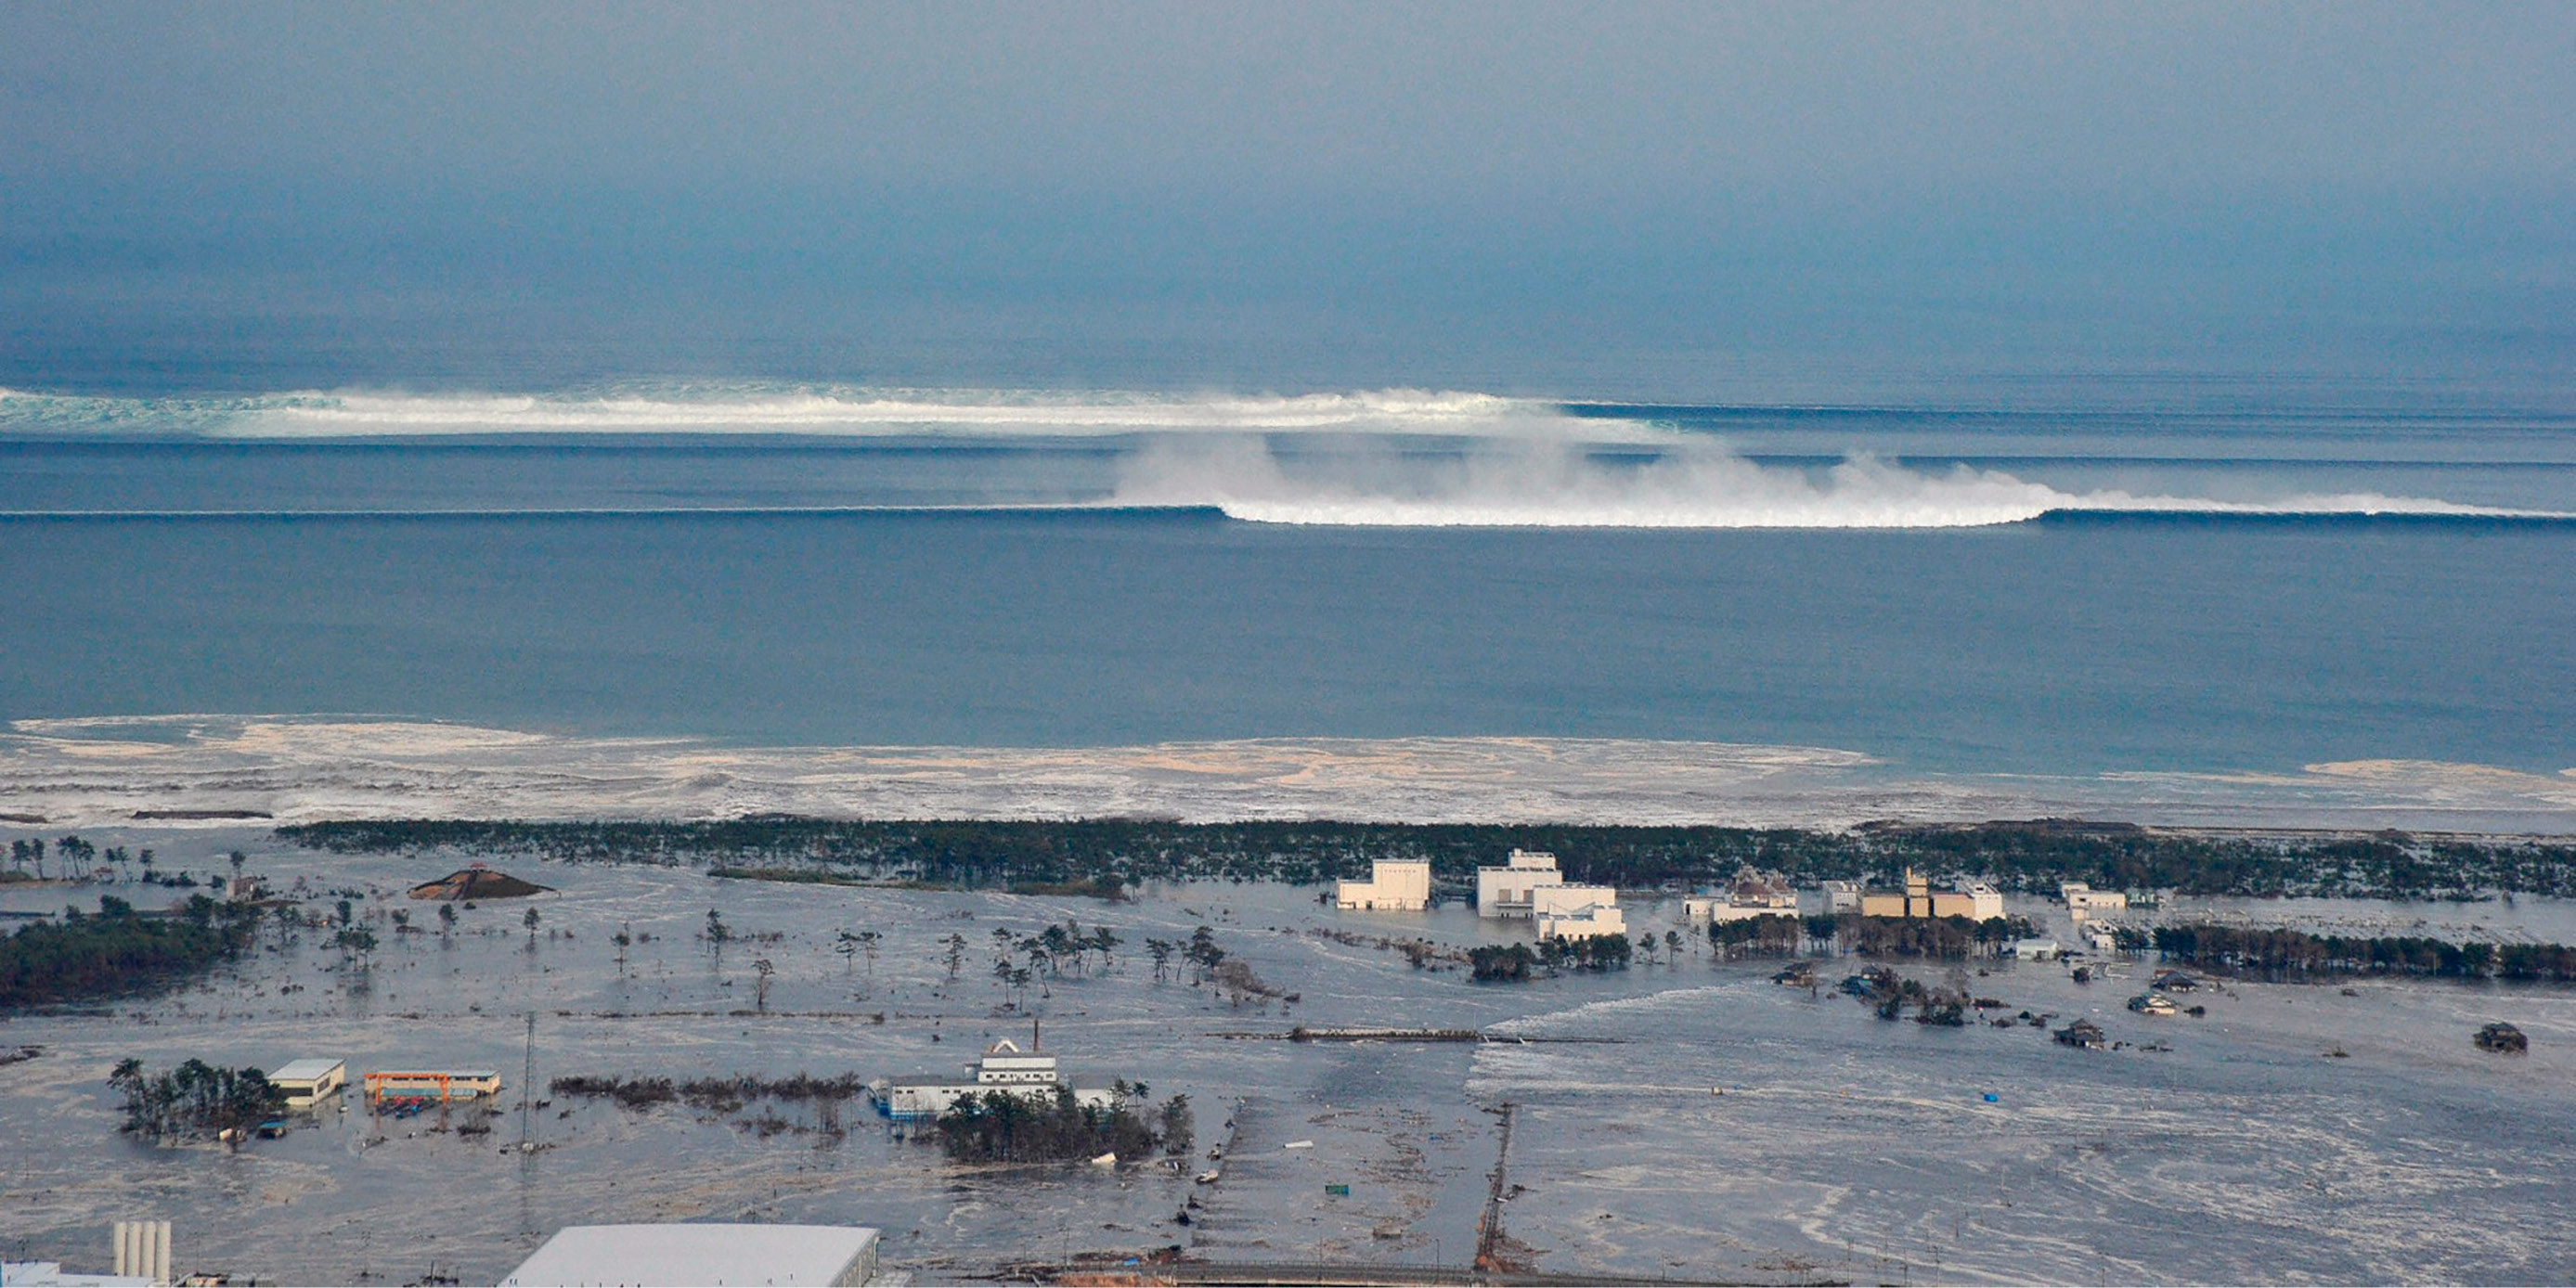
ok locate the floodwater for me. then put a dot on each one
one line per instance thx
(1841, 1148)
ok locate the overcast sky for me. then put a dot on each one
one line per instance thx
(1756, 177)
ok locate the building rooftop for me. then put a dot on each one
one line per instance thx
(304, 1070)
(697, 1253)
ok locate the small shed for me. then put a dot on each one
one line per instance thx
(701, 1253)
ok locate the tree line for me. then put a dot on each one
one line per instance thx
(2293, 953)
(1105, 854)
(1947, 938)
(117, 952)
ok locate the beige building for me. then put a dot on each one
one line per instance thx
(1394, 885)
(306, 1081)
(1918, 899)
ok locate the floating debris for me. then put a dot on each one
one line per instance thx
(2502, 1038)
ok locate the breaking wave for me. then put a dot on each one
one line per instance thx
(1540, 485)
(762, 409)
(1371, 458)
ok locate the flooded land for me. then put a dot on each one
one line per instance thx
(1683, 1119)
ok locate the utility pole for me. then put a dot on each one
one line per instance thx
(528, 1087)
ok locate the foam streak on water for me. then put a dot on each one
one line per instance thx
(1376, 458)
(89, 773)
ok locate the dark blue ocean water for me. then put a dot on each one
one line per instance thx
(770, 589)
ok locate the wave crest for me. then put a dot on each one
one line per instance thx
(1559, 485)
(756, 409)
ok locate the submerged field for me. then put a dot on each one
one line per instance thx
(1842, 1147)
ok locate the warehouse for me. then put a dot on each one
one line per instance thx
(701, 1253)
(307, 1081)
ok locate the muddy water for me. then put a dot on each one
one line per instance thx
(1841, 1146)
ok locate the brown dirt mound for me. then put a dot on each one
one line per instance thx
(477, 883)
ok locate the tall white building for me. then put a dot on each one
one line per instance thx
(1394, 885)
(1506, 891)
(1529, 885)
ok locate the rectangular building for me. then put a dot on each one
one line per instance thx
(1506, 891)
(1751, 894)
(1576, 921)
(306, 1081)
(1394, 885)
(2083, 900)
(1918, 899)
(828, 1256)
(451, 1084)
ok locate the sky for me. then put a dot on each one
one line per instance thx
(1606, 200)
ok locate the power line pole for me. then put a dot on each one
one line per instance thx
(528, 1087)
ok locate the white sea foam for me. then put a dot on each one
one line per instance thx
(762, 409)
(1363, 458)
(91, 773)
(1573, 484)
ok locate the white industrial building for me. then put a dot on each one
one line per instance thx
(1529, 885)
(2083, 900)
(1834, 898)
(50, 1274)
(1394, 885)
(1004, 1067)
(1751, 894)
(650, 1256)
(1572, 921)
(1506, 891)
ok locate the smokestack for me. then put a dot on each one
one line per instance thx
(124, 1247)
(160, 1252)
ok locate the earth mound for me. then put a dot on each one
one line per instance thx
(477, 883)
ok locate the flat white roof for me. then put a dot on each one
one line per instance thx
(654, 1256)
(306, 1070)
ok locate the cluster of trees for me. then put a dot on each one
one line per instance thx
(1200, 952)
(194, 1100)
(117, 952)
(1775, 936)
(1501, 963)
(1099, 855)
(2287, 953)
(1514, 962)
(1889, 994)
(1007, 1127)
(1946, 938)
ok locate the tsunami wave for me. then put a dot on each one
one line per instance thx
(1373, 458)
(764, 409)
(1572, 486)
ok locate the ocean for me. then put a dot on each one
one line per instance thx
(2298, 588)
